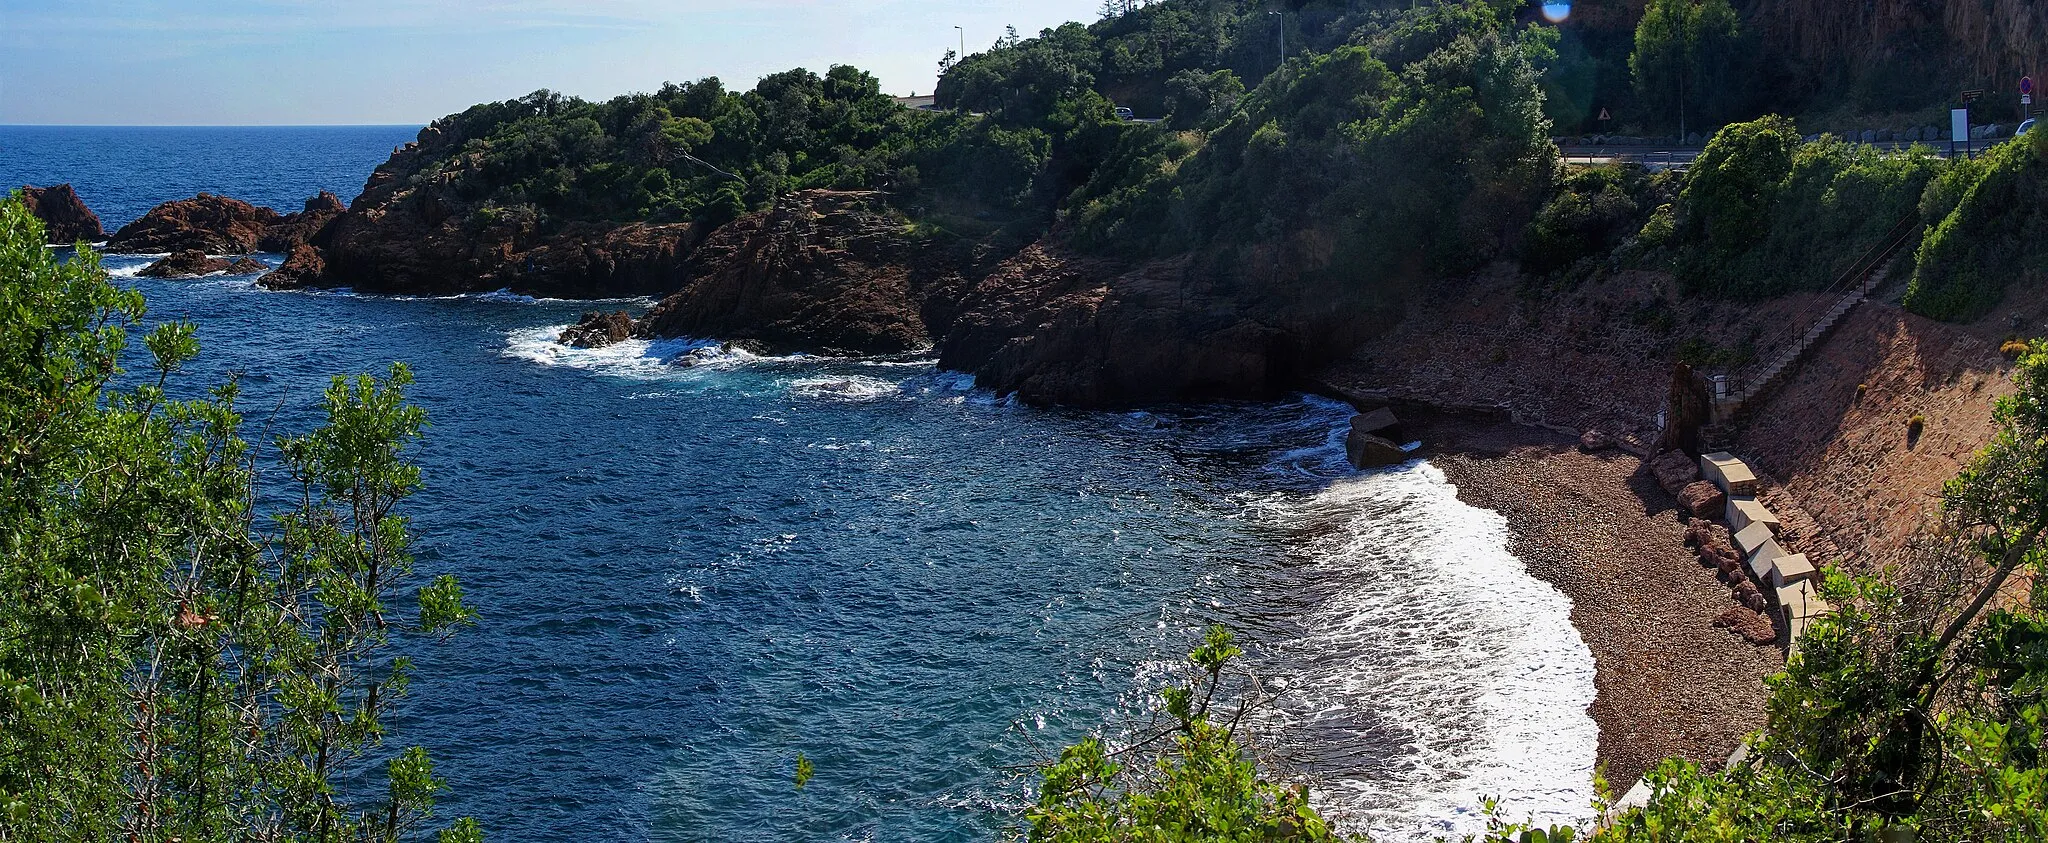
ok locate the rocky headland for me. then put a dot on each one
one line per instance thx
(415, 231)
(65, 217)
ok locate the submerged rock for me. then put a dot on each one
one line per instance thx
(1366, 450)
(65, 217)
(207, 223)
(192, 263)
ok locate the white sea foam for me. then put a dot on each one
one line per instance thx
(851, 388)
(639, 358)
(1433, 670)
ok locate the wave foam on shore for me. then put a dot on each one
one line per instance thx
(1432, 670)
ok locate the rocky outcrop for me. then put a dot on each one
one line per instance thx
(415, 232)
(302, 268)
(216, 225)
(598, 329)
(65, 217)
(192, 263)
(1054, 327)
(295, 230)
(821, 271)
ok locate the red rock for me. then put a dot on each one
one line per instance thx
(302, 268)
(1675, 471)
(293, 230)
(598, 330)
(1593, 442)
(1753, 626)
(192, 263)
(821, 271)
(1703, 500)
(66, 219)
(216, 225)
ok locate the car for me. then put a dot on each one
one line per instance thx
(1125, 114)
(2024, 127)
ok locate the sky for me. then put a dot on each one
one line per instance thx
(363, 62)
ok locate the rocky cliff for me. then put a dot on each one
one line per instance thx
(65, 217)
(420, 233)
(821, 271)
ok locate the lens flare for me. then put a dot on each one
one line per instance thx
(1556, 12)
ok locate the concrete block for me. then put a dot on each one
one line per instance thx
(1759, 550)
(1729, 473)
(1791, 568)
(1744, 511)
(1799, 601)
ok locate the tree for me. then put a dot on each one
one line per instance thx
(168, 669)
(1687, 60)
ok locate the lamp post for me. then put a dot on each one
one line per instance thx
(1280, 18)
(963, 41)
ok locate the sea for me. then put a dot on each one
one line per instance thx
(694, 565)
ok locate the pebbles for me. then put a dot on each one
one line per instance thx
(1600, 528)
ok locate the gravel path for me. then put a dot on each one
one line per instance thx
(1598, 528)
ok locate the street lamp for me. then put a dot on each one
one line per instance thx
(963, 42)
(1281, 19)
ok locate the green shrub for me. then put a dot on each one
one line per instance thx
(1594, 211)
(1763, 213)
(1986, 220)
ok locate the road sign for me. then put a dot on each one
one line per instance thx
(2026, 99)
(1604, 116)
(2026, 85)
(1972, 96)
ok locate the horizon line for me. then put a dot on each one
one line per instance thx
(212, 125)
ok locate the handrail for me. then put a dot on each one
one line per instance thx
(1877, 254)
(1739, 392)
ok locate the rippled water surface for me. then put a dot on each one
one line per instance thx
(690, 574)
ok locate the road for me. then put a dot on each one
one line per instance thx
(1666, 157)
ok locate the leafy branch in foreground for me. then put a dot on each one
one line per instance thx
(168, 670)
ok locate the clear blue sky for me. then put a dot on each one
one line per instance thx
(296, 62)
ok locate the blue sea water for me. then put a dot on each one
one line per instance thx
(690, 574)
(122, 172)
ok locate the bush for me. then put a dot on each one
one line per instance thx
(1596, 210)
(1765, 214)
(169, 669)
(1986, 217)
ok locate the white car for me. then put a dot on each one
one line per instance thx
(1125, 114)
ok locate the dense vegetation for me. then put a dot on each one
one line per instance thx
(174, 663)
(1763, 213)
(1985, 218)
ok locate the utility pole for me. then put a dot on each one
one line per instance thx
(1281, 17)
